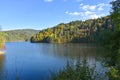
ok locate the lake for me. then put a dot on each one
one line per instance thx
(35, 61)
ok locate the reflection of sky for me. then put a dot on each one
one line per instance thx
(35, 61)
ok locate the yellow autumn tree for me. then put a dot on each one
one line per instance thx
(2, 40)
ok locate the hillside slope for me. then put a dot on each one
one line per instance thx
(75, 31)
(19, 35)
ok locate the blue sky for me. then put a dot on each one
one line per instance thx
(41, 14)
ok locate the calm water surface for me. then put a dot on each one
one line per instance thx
(27, 61)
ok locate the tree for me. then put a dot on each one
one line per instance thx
(115, 14)
(2, 40)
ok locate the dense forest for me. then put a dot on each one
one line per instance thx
(75, 31)
(2, 40)
(19, 35)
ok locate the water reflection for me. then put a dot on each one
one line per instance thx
(70, 50)
(34, 61)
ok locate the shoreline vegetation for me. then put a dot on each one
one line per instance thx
(79, 71)
(104, 31)
(2, 43)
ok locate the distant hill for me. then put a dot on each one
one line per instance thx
(75, 31)
(19, 34)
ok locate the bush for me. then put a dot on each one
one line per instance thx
(80, 71)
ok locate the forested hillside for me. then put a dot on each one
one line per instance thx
(19, 35)
(2, 40)
(75, 31)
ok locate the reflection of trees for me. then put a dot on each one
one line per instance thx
(72, 50)
(2, 57)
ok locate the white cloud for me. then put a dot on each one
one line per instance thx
(89, 11)
(93, 7)
(88, 7)
(101, 6)
(73, 13)
(94, 16)
(81, 4)
(86, 14)
(48, 0)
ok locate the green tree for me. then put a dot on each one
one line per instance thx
(115, 14)
(114, 43)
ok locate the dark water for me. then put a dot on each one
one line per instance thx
(27, 61)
